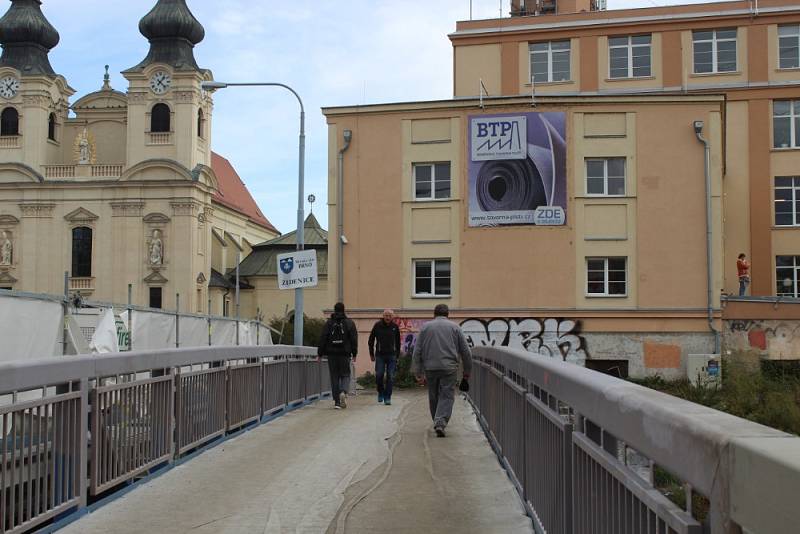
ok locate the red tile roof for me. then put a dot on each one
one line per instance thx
(234, 194)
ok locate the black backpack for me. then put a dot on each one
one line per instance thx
(337, 340)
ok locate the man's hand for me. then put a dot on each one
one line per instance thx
(354, 357)
(372, 357)
(421, 380)
(466, 376)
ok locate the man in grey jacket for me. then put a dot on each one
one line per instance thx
(440, 345)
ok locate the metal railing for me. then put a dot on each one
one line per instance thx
(568, 437)
(78, 427)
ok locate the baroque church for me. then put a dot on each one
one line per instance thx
(118, 188)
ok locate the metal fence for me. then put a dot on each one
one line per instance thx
(78, 427)
(568, 435)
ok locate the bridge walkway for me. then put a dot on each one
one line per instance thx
(369, 468)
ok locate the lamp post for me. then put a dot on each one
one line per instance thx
(298, 293)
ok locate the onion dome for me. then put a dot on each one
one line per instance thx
(27, 37)
(173, 32)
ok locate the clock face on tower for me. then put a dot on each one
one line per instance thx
(160, 82)
(9, 87)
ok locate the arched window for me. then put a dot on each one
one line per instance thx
(160, 119)
(201, 123)
(51, 127)
(81, 252)
(9, 122)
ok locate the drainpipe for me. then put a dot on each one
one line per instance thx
(698, 129)
(341, 240)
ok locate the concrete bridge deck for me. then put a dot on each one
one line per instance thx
(369, 468)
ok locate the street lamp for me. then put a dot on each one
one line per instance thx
(298, 293)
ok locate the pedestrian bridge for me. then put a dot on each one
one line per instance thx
(243, 439)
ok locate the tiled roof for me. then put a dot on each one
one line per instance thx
(262, 261)
(313, 234)
(234, 194)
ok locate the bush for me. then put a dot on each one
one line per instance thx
(767, 394)
(403, 378)
(312, 330)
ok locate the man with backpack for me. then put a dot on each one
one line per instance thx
(339, 343)
(384, 348)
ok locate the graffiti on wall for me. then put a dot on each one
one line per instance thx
(554, 338)
(779, 340)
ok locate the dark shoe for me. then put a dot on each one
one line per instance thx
(387, 402)
(439, 431)
(337, 407)
(380, 399)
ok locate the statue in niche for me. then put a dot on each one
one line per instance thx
(6, 249)
(156, 249)
(85, 148)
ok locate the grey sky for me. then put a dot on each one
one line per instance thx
(332, 53)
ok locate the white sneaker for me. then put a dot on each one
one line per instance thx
(343, 399)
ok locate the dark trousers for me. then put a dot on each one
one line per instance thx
(384, 374)
(441, 395)
(339, 367)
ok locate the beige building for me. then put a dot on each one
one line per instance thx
(558, 203)
(126, 190)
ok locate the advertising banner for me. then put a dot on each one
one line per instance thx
(297, 269)
(517, 169)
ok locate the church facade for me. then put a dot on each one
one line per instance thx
(126, 189)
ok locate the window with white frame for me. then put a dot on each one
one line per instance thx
(786, 123)
(605, 177)
(787, 201)
(786, 268)
(606, 277)
(550, 61)
(714, 51)
(789, 46)
(431, 181)
(629, 57)
(432, 278)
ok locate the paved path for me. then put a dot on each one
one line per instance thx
(370, 468)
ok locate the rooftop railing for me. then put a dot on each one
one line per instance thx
(74, 428)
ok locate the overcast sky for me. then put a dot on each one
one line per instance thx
(333, 53)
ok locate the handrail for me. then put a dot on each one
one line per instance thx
(693, 442)
(29, 374)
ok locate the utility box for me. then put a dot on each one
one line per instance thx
(704, 369)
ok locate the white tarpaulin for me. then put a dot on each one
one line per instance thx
(194, 332)
(29, 329)
(223, 333)
(105, 338)
(264, 335)
(151, 331)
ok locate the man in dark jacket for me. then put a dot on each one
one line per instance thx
(384, 348)
(339, 342)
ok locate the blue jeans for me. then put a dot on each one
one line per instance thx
(743, 283)
(384, 369)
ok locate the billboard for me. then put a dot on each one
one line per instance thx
(517, 169)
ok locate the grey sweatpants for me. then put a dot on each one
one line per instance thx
(441, 395)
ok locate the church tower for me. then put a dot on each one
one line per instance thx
(168, 114)
(34, 100)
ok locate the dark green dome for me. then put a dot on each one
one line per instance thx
(172, 31)
(27, 37)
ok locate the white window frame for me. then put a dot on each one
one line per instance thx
(795, 189)
(794, 118)
(605, 192)
(795, 35)
(795, 275)
(432, 165)
(606, 281)
(629, 46)
(715, 50)
(549, 54)
(432, 262)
